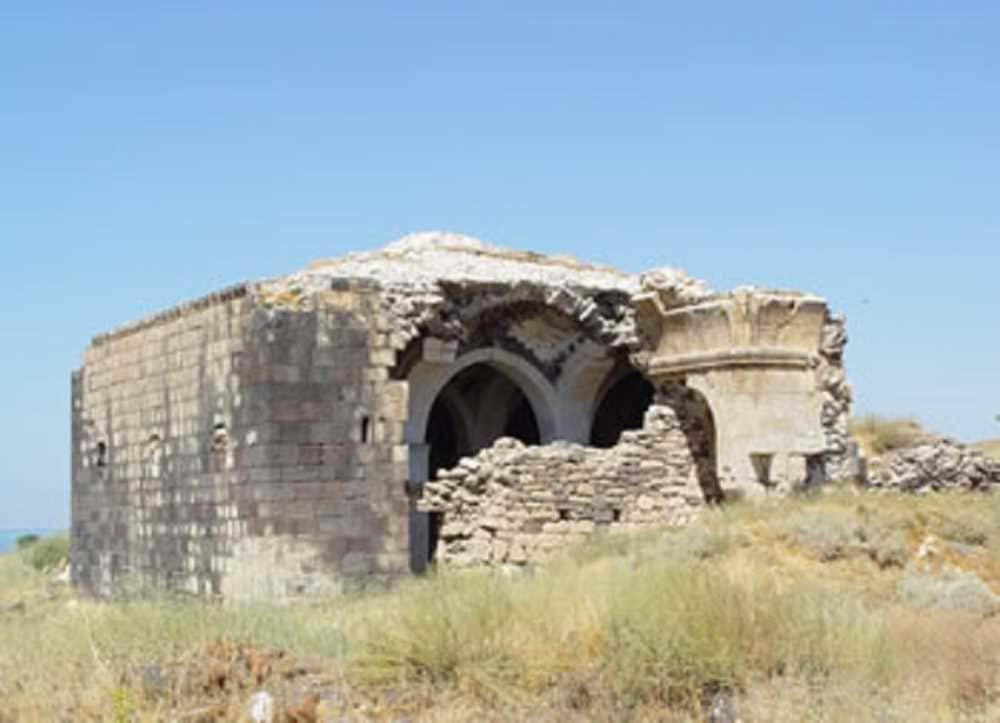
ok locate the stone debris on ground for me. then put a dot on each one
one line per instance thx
(936, 465)
(264, 685)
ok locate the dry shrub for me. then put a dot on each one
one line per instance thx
(714, 536)
(835, 700)
(68, 659)
(948, 589)
(660, 631)
(450, 629)
(676, 631)
(956, 655)
(877, 434)
(833, 532)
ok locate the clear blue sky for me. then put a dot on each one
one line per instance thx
(148, 156)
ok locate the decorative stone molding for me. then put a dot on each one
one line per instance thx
(746, 328)
(763, 360)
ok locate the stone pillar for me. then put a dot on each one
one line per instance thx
(419, 521)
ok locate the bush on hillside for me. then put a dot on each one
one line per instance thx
(949, 589)
(47, 553)
(878, 435)
(24, 541)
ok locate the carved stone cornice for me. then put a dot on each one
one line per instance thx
(746, 328)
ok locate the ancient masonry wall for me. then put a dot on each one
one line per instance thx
(243, 446)
(841, 461)
(513, 505)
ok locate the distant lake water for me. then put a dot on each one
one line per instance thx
(9, 537)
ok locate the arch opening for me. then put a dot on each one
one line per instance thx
(622, 407)
(476, 407)
(698, 425)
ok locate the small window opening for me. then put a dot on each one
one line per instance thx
(616, 514)
(563, 513)
(220, 437)
(366, 424)
(102, 454)
(762, 467)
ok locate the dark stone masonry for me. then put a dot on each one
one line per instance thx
(296, 436)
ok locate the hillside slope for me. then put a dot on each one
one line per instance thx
(990, 447)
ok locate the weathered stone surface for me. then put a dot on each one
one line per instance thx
(439, 282)
(769, 364)
(272, 439)
(934, 465)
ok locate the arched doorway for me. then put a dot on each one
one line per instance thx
(477, 406)
(622, 407)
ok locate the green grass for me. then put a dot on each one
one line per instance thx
(789, 607)
(44, 553)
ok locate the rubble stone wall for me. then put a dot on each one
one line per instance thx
(841, 460)
(512, 504)
(933, 465)
(240, 447)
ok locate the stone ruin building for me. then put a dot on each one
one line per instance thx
(440, 400)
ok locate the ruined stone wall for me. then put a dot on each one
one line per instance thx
(841, 460)
(148, 493)
(512, 504)
(243, 445)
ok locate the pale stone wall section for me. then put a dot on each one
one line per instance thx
(769, 364)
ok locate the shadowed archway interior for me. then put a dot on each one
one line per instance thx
(477, 407)
(623, 407)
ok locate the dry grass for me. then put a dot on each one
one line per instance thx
(841, 607)
(990, 447)
(877, 435)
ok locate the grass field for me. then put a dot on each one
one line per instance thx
(843, 607)
(990, 447)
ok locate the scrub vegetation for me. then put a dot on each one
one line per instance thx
(838, 607)
(877, 434)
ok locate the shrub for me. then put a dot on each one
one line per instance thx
(949, 589)
(677, 632)
(448, 629)
(24, 541)
(710, 537)
(656, 631)
(47, 553)
(877, 434)
(828, 534)
(966, 527)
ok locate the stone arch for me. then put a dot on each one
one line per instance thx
(427, 380)
(441, 427)
(698, 423)
(620, 404)
(580, 387)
